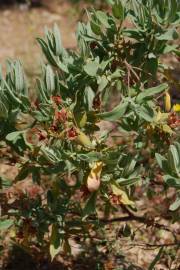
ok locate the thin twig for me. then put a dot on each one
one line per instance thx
(154, 245)
(141, 219)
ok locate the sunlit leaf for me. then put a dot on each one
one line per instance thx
(123, 197)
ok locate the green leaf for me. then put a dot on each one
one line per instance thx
(91, 68)
(55, 243)
(103, 18)
(173, 159)
(129, 167)
(103, 83)
(177, 52)
(169, 48)
(58, 42)
(118, 10)
(116, 113)
(90, 157)
(134, 33)
(90, 206)
(23, 173)
(156, 259)
(50, 83)
(19, 78)
(151, 65)
(172, 181)
(5, 183)
(171, 34)
(177, 145)
(148, 93)
(146, 113)
(49, 155)
(13, 136)
(160, 159)
(127, 182)
(6, 224)
(10, 93)
(3, 111)
(95, 28)
(88, 98)
(175, 205)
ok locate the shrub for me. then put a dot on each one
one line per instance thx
(82, 174)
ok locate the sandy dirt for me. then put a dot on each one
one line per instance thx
(19, 28)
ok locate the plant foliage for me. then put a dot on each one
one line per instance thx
(114, 76)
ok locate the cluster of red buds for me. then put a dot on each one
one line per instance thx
(72, 133)
(42, 135)
(57, 99)
(173, 120)
(115, 200)
(61, 116)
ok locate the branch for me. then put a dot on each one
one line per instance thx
(141, 219)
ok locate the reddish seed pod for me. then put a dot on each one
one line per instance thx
(114, 199)
(173, 120)
(41, 137)
(61, 116)
(57, 99)
(72, 133)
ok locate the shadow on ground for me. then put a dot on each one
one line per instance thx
(18, 259)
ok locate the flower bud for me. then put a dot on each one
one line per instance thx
(72, 133)
(93, 181)
(57, 99)
(167, 102)
(61, 116)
